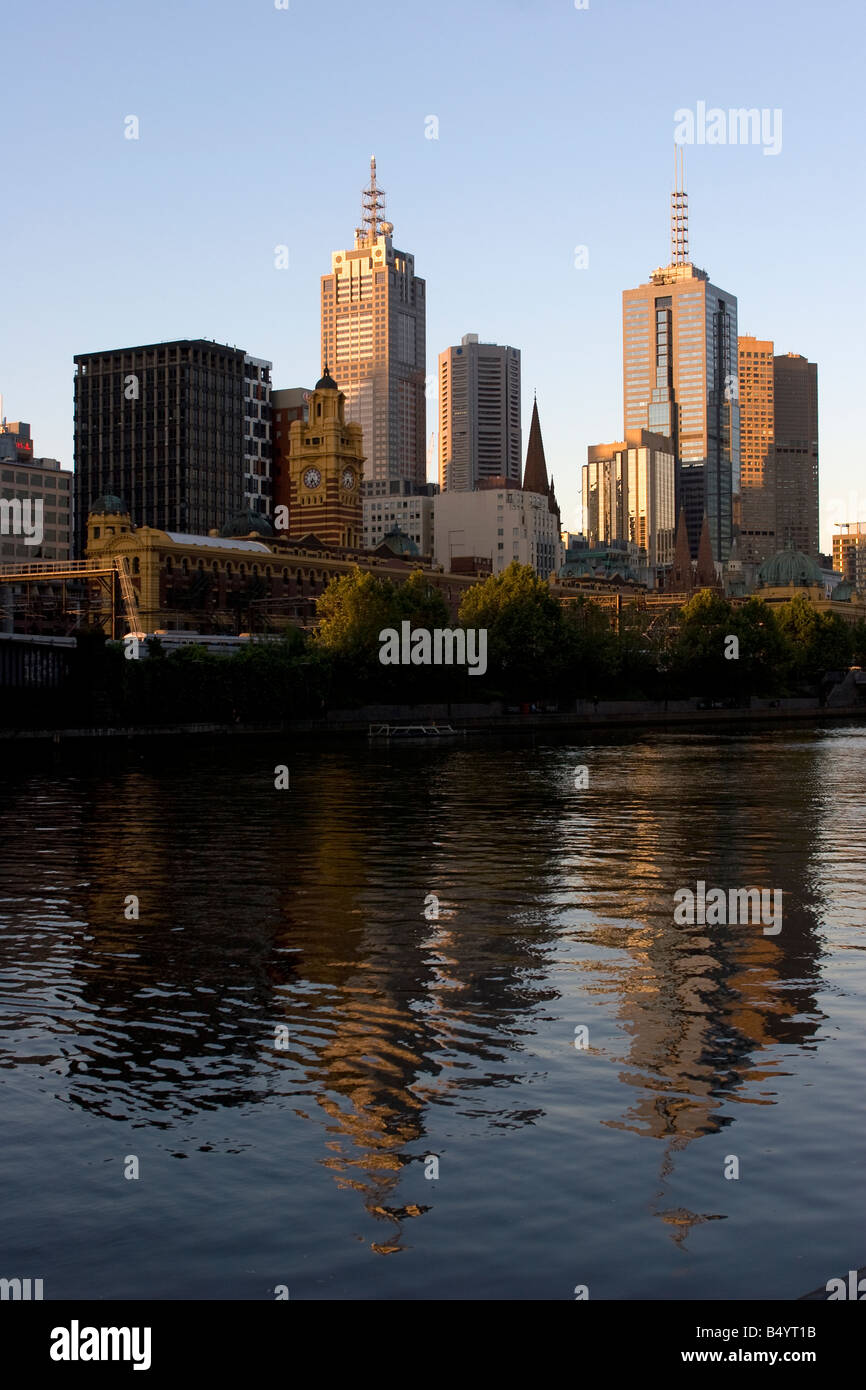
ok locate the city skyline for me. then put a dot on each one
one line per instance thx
(169, 263)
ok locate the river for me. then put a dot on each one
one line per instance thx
(421, 1025)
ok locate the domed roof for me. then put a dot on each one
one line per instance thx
(842, 593)
(245, 522)
(401, 544)
(326, 382)
(109, 505)
(787, 569)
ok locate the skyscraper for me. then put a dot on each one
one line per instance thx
(628, 494)
(679, 380)
(374, 343)
(757, 541)
(796, 453)
(479, 414)
(180, 430)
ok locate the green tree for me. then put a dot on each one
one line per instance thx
(524, 629)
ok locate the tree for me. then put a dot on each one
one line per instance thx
(524, 628)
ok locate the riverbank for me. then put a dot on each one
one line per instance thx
(480, 720)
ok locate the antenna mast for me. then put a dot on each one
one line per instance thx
(679, 211)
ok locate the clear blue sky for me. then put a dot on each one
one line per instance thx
(555, 130)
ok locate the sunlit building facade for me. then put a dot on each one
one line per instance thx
(628, 494)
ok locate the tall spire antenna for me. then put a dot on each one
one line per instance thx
(373, 205)
(679, 211)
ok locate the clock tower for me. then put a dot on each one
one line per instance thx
(326, 465)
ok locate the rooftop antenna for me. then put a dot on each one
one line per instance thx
(373, 205)
(679, 211)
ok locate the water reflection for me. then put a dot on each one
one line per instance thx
(258, 908)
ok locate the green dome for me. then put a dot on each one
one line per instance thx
(790, 568)
(842, 593)
(401, 544)
(109, 505)
(245, 522)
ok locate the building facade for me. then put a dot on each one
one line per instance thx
(849, 552)
(287, 406)
(501, 524)
(756, 389)
(628, 495)
(35, 501)
(180, 429)
(398, 503)
(479, 415)
(679, 380)
(796, 453)
(326, 469)
(374, 316)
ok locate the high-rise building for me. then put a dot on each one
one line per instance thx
(326, 468)
(679, 380)
(849, 552)
(628, 495)
(35, 501)
(374, 342)
(181, 430)
(756, 391)
(796, 453)
(479, 415)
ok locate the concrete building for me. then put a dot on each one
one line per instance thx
(35, 501)
(326, 468)
(679, 380)
(796, 453)
(628, 496)
(849, 553)
(479, 415)
(756, 389)
(374, 342)
(180, 429)
(502, 524)
(399, 503)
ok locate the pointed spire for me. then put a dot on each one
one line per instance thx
(535, 472)
(706, 572)
(552, 504)
(680, 576)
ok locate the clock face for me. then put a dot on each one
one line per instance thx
(348, 479)
(312, 477)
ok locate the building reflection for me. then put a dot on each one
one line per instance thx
(260, 908)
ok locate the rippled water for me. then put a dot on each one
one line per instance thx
(412, 1038)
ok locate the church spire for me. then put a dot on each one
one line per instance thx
(680, 576)
(706, 571)
(535, 472)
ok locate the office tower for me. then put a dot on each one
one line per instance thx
(757, 538)
(679, 380)
(796, 453)
(479, 415)
(628, 495)
(287, 405)
(35, 501)
(849, 552)
(180, 430)
(326, 468)
(374, 342)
